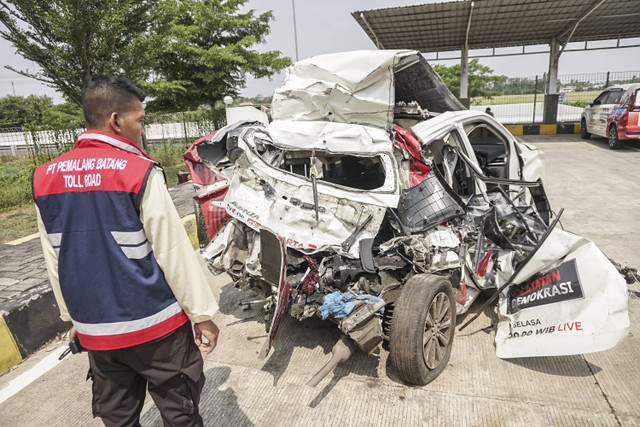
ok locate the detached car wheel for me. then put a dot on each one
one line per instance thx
(422, 329)
(583, 130)
(614, 141)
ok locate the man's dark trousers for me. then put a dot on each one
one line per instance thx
(170, 365)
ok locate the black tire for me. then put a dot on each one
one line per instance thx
(614, 141)
(583, 130)
(425, 305)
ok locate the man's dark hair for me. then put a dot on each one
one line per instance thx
(104, 95)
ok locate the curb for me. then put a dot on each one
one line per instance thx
(30, 320)
(27, 323)
(22, 240)
(541, 129)
(190, 226)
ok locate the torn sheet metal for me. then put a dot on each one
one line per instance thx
(358, 87)
(335, 198)
(532, 166)
(239, 114)
(428, 204)
(408, 143)
(210, 162)
(330, 137)
(349, 87)
(274, 258)
(570, 299)
(333, 140)
(264, 197)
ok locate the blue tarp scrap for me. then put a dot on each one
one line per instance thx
(340, 305)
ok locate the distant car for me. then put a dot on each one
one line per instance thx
(614, 114)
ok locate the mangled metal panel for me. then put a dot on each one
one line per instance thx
(532, 166)
(331, 137)
(243, 114)
(262, 196)
(358, 87)
(349, 87)
(416, 81)
(428, 204)
(569, 299)
(210, 160)
(299, 138)
(410, 149)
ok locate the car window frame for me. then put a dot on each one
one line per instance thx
(612, 93)
(600, 98)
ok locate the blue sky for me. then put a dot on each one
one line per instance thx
(327, 26)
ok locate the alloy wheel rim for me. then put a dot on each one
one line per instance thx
(612, 138)
(437, 330)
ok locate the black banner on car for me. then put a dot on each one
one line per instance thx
(559, 284)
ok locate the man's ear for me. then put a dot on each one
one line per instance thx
(114, 122)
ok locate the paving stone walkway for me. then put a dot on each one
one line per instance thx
(21, 268)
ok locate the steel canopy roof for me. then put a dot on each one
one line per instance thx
(499, 23)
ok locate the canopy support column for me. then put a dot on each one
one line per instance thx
(464, 77)
(464, 64)
(550, 115)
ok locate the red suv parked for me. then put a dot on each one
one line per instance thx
(614, 114)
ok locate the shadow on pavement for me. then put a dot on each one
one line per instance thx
(232, 300)
(564, 366)
(218, 405)
(310, 334)
(359, 364)
(603, 143)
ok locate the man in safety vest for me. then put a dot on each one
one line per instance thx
(121, 266)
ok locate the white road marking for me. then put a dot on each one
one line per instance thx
(23, 380)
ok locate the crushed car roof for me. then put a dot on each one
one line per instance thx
(360, 87)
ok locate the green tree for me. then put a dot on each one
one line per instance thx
(63, 116)
(481, 79)
(18, 111)
(38, 113)
(208, 49)
(184, 53)
(71, 40)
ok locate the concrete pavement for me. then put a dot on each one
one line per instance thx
(595, 186)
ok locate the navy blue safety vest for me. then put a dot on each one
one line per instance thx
(89, 200)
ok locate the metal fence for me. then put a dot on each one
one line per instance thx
(520, 99)
(159, 129)
(186, 126)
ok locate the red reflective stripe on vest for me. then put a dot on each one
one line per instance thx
(113, 342)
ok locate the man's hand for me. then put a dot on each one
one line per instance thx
(210, 332)
(72, 333)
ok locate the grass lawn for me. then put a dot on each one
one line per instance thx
(17, 222)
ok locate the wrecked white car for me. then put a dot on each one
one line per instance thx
(374, 200)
